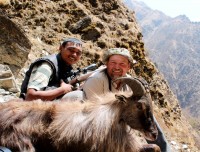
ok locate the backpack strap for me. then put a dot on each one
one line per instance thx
(109, 80)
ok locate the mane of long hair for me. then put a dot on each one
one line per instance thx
(94, 126)
(20, 120)
(97, 125)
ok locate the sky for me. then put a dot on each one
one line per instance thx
(173, 8)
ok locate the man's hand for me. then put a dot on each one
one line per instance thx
(66, 87)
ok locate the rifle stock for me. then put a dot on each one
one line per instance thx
(83, 77)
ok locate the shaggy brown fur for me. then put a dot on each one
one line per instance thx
(100, 126)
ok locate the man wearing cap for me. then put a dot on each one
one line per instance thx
(118, 62)
(44, 79)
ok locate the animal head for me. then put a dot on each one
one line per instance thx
(137, 110)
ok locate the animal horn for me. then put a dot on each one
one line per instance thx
(135, 85)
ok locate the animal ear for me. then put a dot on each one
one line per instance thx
(121, 98)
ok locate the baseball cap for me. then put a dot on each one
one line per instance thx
(74, 42)
(118, 51)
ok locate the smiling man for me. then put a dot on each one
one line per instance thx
(118, 62)
(44, 79)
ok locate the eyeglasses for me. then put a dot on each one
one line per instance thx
(74, 44)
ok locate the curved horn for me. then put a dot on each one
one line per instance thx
(135, 85)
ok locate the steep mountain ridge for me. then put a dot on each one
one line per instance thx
(102, 24)
(173, 44)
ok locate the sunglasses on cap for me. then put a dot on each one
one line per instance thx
(73, 44)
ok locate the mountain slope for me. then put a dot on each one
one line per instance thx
(174, 45)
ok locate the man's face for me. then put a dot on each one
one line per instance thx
(71, 52)
(117, 66)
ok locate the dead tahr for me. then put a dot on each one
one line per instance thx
(101, 125)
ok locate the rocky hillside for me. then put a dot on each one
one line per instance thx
(101, 24)
(176, 41)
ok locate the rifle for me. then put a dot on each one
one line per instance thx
(74, 77)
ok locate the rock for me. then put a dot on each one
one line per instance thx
(7, 79)
(15, 45)
(4, 3)
(184, 146)
(80, 25)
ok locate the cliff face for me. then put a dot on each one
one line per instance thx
(102, 24)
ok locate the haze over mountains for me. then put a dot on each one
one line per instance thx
(173, 45)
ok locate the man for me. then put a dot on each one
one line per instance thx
(44, 79)
(118, 62)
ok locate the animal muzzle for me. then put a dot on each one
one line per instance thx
(151, 133)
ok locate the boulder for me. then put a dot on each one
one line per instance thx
(14, 44)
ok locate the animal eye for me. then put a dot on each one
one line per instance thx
(139, 106)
